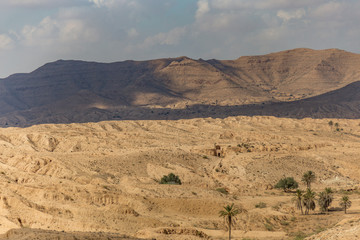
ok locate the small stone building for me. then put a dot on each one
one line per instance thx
(219, 151)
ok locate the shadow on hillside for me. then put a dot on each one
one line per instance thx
(342, 103)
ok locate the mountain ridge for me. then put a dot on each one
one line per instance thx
(67, 87)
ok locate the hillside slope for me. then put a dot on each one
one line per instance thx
(101, 179)
(76, 91)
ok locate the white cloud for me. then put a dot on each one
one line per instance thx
(41, 3)
(132, 33)
(76, 30)
(43, 34)
(101, 3)
(329, 10)
(288, 15)
(116, 3)
(172, 37)
(6, 42)
(113, 30)
(203, 8)
(262, 4)
(56, 32)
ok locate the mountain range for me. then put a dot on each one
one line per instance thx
(295, 83)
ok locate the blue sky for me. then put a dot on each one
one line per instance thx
(34, 32)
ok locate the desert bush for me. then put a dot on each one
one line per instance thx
(260, 205)
(284, 223)
(299, 236)
(269, 227)
(170, 179)
(287, 183)
(222, 190)
(276, 207)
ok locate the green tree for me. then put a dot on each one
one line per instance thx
(325, 199)
(345, 203)
(298, 199)
(287, 183)
(331, 123)
(309, 201)
(229, 214)
(170, 179)
(308, 178)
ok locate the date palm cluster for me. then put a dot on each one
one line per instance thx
(325, 198)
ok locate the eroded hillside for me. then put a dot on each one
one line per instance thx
(175, 88)
(103, 177)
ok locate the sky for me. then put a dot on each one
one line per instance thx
(34, 32)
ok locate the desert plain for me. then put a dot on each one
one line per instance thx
(101, 180)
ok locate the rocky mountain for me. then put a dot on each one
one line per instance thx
(293, 83)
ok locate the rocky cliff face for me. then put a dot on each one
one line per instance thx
(76, 91)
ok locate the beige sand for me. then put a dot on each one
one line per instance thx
(103, 178)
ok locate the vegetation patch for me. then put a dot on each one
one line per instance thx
(222, 190)
(170, 179)
(299, 236)
(287, 183)
(269, 227)
(181, 231)
(260, 205)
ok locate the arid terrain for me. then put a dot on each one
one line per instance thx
(84, 146)
(101, 180)
(295, 83)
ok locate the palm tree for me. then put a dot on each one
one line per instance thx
(329, 198)
(345, 203)
(298, 199)
(229, 215)
(309, 201)
(325, 199)
(308, 178)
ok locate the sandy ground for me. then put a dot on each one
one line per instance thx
(78, 180)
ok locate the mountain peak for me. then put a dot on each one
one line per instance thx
(64, 90)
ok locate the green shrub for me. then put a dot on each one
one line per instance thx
(287, 183)
(170, 179)
(260, 205)
(299, 236)
(284, 223)
(222, 190)
(269, 227)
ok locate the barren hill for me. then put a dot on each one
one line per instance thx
(76, 91)
(101, 180)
